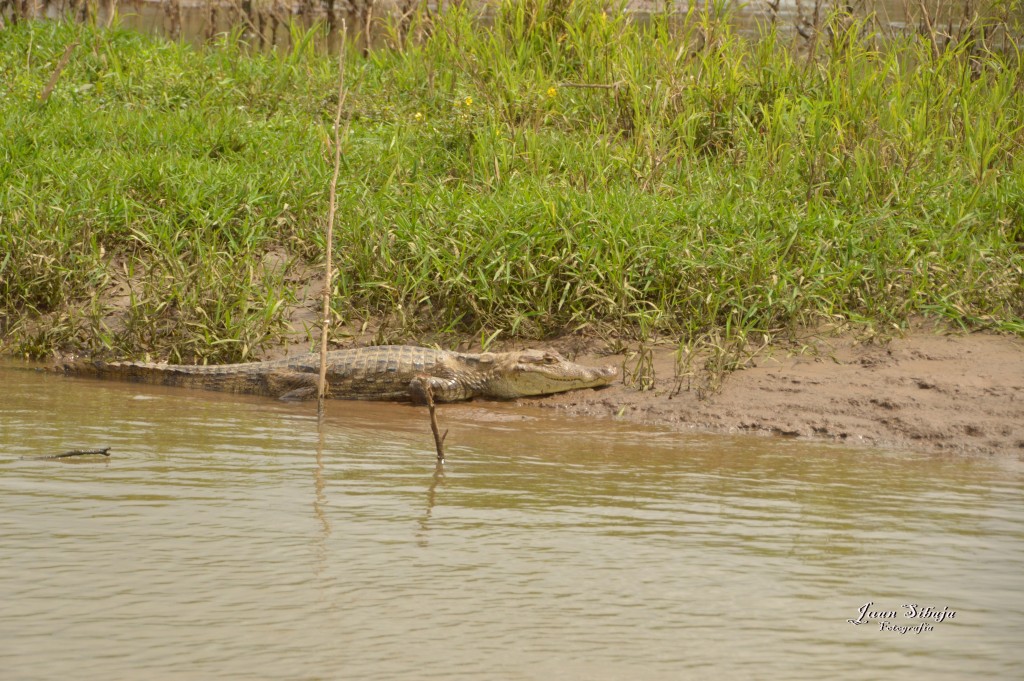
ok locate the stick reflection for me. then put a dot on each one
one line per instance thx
(437, 479)
(319, 504)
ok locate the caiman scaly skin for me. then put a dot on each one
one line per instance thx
(384, 372)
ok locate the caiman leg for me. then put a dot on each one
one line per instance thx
(442, 389)
(293, 386)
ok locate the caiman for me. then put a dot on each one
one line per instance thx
(383, 372)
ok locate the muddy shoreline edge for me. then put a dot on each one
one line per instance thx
(929, 391)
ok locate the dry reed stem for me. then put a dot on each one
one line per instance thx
(172, 10)
(369, 24)
(594, 86)
(237, 6)
(328, 274)
(111, 12)
(64, 59)
(931, 34)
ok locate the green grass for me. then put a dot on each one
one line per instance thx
(721, 186)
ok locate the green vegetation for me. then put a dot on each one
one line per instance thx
(165, 199)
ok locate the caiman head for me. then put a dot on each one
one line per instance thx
(539, 372)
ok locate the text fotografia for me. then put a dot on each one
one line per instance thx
(886, 619)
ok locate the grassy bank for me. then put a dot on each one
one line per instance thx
(167, 199)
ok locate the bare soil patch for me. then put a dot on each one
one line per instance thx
(928, 391)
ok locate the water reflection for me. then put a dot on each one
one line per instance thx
(545, 548)
(436, 479)
(320, 501)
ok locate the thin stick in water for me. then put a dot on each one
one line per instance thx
(422, 384)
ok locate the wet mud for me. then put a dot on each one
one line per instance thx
(928, 391)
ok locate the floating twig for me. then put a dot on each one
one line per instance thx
(105, 451)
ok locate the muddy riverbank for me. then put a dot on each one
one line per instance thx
(932, 389)
(929, 391)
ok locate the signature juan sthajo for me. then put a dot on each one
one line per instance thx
(925, 616)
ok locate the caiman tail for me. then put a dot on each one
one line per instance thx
(254, 378)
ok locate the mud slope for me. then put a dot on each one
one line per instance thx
(926, 392)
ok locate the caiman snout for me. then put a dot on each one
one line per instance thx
(543, 372)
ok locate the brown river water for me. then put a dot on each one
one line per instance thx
(224, 538)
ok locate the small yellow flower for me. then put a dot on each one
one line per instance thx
(469, 102)
(418, 116)
(552, 92)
